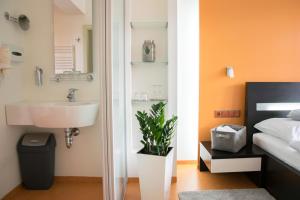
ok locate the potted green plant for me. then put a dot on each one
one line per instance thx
(155, 159)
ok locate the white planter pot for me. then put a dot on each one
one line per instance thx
(155, 174)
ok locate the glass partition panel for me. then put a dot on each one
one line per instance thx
(118, 87)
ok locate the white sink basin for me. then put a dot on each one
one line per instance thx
(52, 114)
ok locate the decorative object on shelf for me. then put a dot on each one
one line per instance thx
(149, 51)
(156, 155)
(22, 20)
(38, 76)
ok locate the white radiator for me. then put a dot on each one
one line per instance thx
(64, 58)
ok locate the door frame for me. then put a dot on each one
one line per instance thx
(100, 44)
(106, 98)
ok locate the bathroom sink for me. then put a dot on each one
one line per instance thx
(53, 114)
(64, 114)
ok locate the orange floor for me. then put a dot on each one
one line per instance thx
(61, 190)
(190, 178)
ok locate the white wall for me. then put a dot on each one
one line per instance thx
(84, 158)
(11, 90)
(188, 79)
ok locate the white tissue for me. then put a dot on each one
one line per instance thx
(225, 129)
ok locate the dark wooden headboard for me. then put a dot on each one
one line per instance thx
(258, 93)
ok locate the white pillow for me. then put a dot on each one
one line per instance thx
(294, 114)
(295, 144)
(283, 128)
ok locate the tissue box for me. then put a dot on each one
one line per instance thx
(228, 138)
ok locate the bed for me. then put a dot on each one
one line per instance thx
(281, 164)
(279, 148)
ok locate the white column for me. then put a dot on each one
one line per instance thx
(188, 79)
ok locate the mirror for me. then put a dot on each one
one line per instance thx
(73, 36)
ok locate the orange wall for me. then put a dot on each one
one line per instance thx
(260, 38)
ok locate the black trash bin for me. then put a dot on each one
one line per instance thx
(36, 157)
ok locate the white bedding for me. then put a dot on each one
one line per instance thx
(279, 148)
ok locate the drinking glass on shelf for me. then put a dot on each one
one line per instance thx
(157, 91)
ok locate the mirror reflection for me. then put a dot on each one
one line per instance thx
(73, 36)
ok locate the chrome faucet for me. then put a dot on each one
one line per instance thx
(71, 94)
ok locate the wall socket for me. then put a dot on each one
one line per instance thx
(227, 113)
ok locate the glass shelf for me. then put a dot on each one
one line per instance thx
(149, 24)
(148, 101)
(135, 63)
(73, 77)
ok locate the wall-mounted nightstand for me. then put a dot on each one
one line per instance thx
(248, 159)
